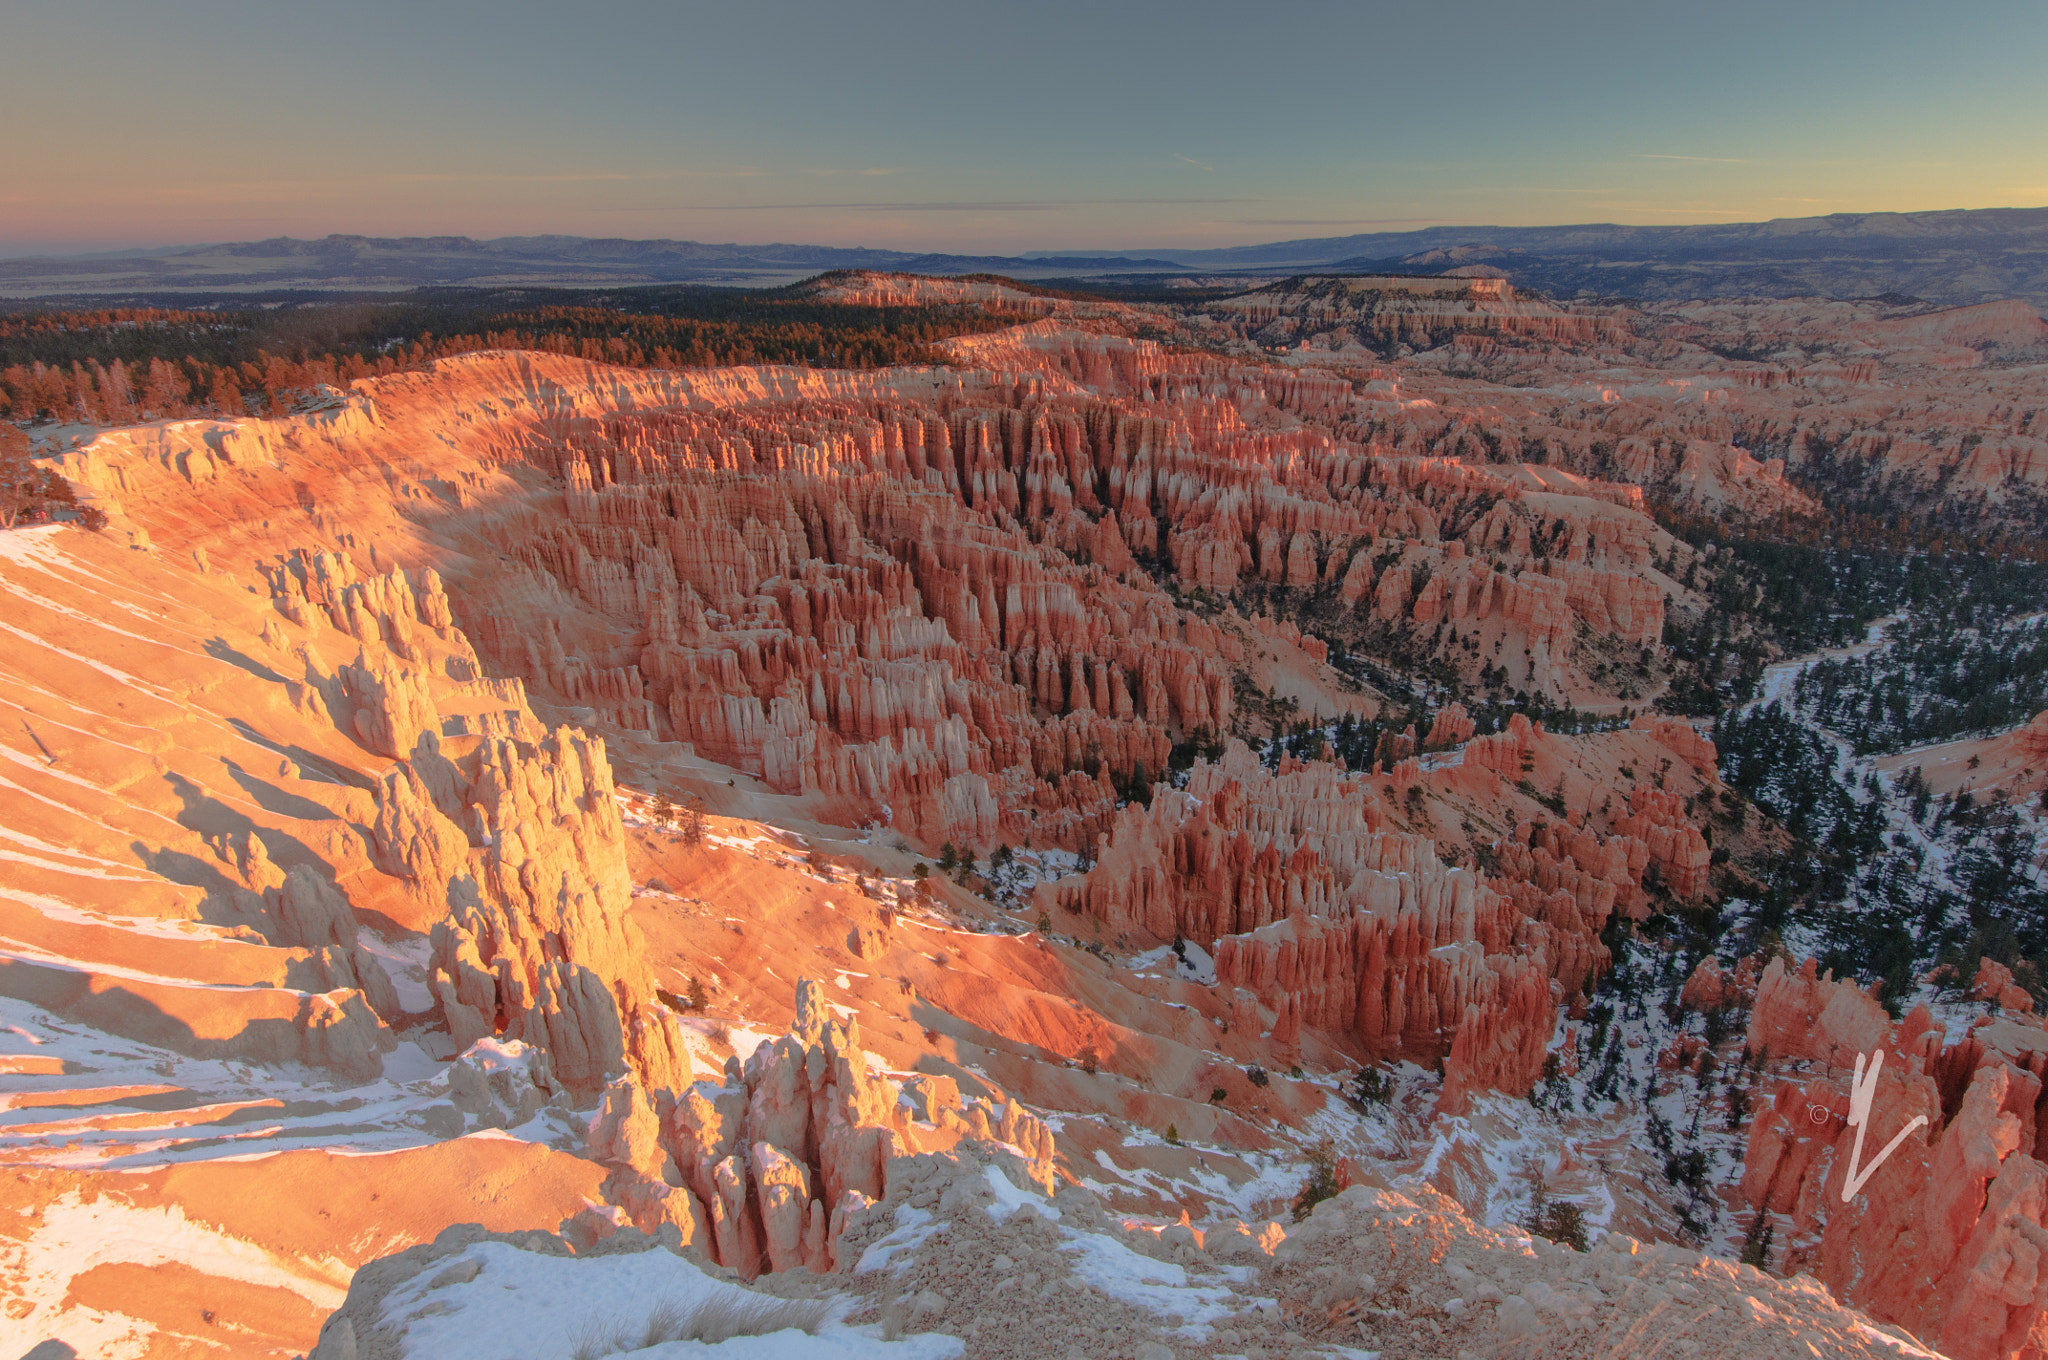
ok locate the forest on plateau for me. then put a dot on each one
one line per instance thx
(110, 366)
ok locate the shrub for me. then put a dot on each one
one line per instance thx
(1370, 1087)
(1558, 1220)
(1089, 1059)
(690, 819)
(1322, 1183)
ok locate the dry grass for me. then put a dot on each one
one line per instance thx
(596, 1339)
(721, 1317)
(665, 1323)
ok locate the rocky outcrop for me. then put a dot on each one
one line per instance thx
(772, 1163)
(312, 914)
(1333, 923)
(1804, 1015)
(1452, 726)
(536, 946)
(1715, 988)
(2033, 740)
(505, 844)
(926, 1250)
(1662, 838)
(1682, 739)
(1994, 983)
(1499, 1044)
(1946, 1237)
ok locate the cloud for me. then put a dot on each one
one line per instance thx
(1683, 212)
(584, 177)
(1714, 160)
(1190, 160)
(515, 179)
(998, 205)
(1330, 221)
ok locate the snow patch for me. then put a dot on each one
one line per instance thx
(495, 1300)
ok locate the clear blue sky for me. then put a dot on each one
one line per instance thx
(1009, 127)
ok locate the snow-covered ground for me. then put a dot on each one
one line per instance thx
(495, 1300)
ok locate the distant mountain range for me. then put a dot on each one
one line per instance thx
(1950, 257)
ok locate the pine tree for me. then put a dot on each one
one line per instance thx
(30, 490)
(1756, 1243)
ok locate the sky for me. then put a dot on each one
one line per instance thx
(1008, 128)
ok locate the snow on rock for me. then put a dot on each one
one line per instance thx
(473, 1295)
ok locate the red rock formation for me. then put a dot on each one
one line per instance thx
(1712, 987)
(1451, 726)
(1682, 739)
(1500, 1046)
(537, 947)
(1947, 1236)
(799, 1137)
(1335, 924)
(1994, 983)
(1661, 836)
(1800, 1015)
(2033, 740)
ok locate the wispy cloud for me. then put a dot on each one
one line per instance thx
(1714, 160)
(1190, 160)
(1330, 221)
(997, 205)
(1681, 212)
(587, 178)
(1469, 190)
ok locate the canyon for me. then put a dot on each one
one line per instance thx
(524, 807)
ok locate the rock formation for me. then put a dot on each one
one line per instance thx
(770, 1165)
(1947, 1237)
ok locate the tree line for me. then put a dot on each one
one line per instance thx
(113, 366)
